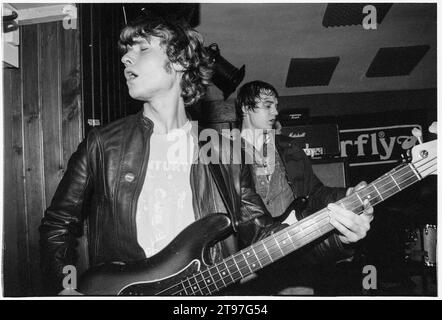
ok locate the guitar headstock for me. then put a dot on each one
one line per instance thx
(424, 155)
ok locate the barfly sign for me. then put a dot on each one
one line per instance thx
(369, 146)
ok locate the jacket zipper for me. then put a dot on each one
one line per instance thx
(140, 183)
(97, 227)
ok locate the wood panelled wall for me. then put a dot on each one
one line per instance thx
(42, 128)
(66, 78)
(105, 93)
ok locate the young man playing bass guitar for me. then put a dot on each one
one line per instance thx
(142, 195)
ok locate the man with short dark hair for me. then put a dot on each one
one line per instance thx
(288, 173)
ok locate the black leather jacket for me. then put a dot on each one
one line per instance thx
(302, 179)
(305, 184)
(102, 183)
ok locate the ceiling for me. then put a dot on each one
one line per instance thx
(266, 36)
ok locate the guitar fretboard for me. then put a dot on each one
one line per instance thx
(264, 252)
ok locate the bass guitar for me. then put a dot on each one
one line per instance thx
(184, 268)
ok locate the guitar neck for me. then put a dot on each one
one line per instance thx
(297, 235)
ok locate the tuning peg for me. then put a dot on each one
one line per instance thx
(433, 127)
(417, 133)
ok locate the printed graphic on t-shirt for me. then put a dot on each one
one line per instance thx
(165, 203)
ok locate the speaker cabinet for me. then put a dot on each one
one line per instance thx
(331, 173)
(318, 139)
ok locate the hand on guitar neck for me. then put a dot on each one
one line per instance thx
(353, 227)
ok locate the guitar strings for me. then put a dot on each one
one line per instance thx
(197, 282)
(315, 221)
(205, 286)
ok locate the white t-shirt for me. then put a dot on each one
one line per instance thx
(165, 204)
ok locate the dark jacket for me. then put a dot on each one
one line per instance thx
(102, 183)
(302, 179)
(304, 183)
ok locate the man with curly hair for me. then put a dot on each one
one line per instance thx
(137, 180)
(136, 195)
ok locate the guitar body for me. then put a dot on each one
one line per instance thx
(185, 255)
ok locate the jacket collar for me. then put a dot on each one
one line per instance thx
(144, 121)
(148, 123)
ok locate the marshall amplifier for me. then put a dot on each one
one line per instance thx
(317, 140)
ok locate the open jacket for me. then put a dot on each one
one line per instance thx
(103, 181)
(305, 184)
(302, 179)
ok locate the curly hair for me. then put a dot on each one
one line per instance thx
(182, 45)
(249, 94)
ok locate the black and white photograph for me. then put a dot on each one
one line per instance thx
(232, 150)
